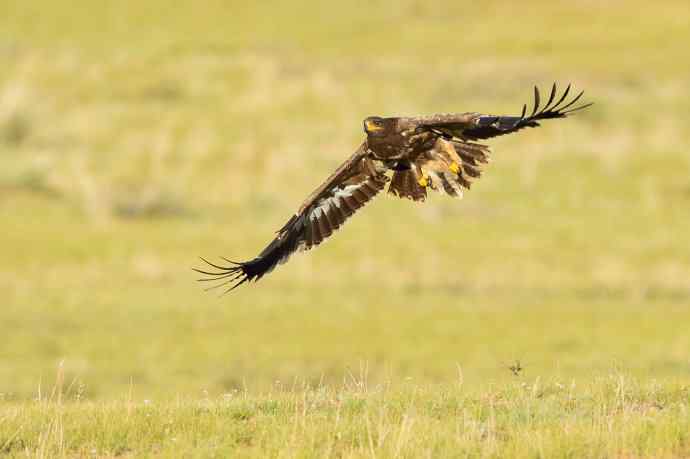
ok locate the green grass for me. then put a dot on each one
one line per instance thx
(137, 136)
(611, 416)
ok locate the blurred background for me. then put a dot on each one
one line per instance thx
(137, 136)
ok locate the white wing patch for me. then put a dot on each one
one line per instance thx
(335, 200)
(329, 213)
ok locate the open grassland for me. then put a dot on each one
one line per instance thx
(613, 416)
(136, 136)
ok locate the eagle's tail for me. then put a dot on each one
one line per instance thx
(451, 166)
(405, 184)
(472, 157)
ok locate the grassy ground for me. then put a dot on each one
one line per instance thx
(613, 416)
(137, 136)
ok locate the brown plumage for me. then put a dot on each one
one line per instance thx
(437, 152)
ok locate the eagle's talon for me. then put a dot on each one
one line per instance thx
(423, 181)
(454, 168)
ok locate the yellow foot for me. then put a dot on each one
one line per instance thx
(454, 168)
(423, 181)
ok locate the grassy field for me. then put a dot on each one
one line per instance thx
(137, 136)
(614, 416)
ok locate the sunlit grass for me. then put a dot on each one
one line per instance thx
(609, 416)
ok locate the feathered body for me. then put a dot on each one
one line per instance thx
(411, 154)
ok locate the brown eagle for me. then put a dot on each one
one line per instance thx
(438, 152)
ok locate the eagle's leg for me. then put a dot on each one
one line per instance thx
(452, 157)
(423, 179)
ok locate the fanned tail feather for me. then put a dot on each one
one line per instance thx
(404, 184)
(469, 157)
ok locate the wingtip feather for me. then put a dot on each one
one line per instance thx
(536, 101)
(225, 274)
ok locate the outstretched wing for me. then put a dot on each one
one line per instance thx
(350, 187)
(475, 126)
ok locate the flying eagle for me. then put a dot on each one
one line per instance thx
(410, 154)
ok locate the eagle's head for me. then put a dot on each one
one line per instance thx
(377, 126)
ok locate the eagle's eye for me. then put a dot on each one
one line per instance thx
(373, 125)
